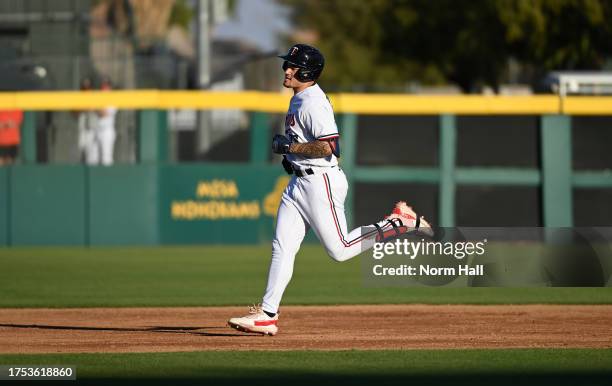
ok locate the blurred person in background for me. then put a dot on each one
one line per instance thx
(97, 133)
(86, 122)
(10, 135)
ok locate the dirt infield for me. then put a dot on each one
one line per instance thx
(305, 328)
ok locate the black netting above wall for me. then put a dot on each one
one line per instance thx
(592, 207)
(384, 140)
(505, 206)
(511, 141)
(592, 143)
(375, 201)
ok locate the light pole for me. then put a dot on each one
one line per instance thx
(203, 38)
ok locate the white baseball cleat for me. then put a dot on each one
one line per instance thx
(409, 220)
(256, 321)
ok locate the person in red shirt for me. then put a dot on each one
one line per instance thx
(10, 135)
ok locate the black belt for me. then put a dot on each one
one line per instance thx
(302, 173)
(305, 172)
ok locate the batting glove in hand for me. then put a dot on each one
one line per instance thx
(280, 144)
(287, 165)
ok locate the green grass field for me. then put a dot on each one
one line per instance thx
(219, 275)
(473, 367)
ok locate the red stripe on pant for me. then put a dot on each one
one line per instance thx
(336, 222)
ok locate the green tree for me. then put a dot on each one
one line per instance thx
(385, 44)
(558, 34)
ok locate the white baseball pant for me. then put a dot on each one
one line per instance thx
(317, 202)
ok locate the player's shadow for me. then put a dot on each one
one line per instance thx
(156, 329)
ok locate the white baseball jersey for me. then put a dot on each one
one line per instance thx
(310, 117)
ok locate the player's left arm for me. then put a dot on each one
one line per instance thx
(314, 149)
(319, 148)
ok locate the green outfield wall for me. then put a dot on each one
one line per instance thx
(47, 205)
(156, 202)
(231, 204)
(122, 205)
(4, 206)
(138, 204)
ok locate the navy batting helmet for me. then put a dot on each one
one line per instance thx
(308, 59)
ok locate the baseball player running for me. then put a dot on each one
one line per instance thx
(314, 197)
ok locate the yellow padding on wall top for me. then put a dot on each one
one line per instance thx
(383, 104)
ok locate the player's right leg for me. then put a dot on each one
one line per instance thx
(290, 231)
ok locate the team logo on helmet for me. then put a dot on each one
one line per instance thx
(293, 51)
